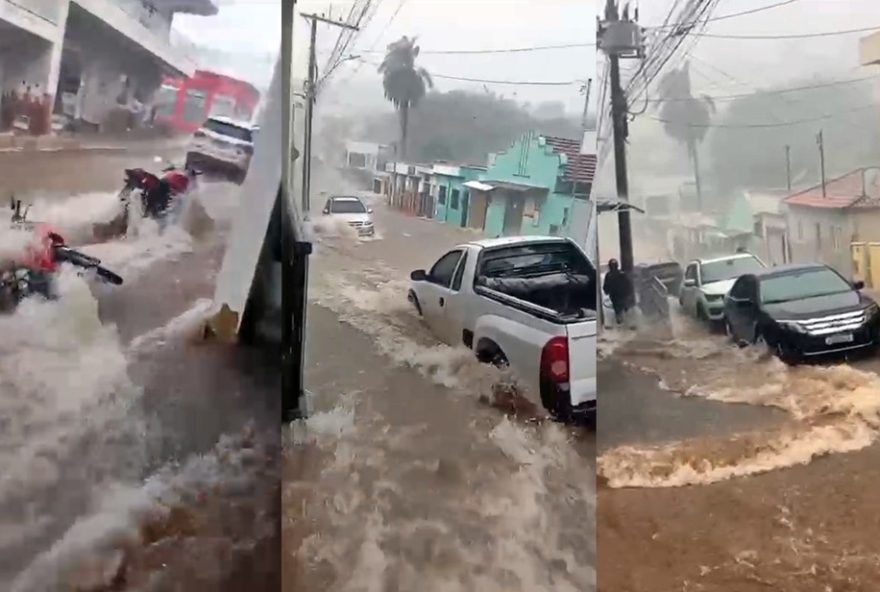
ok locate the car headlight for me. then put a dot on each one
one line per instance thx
(368, 223)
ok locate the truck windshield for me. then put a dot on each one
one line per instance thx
(728, 269)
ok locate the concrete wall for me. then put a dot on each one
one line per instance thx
(836, 229)
(530, 162)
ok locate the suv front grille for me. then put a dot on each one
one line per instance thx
(847, 321)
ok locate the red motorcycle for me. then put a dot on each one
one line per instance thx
(34, 271)
(161, 198)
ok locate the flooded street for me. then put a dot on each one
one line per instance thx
(135, 455)
(726, 469)
(414, 472)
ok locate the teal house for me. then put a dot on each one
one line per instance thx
(531, 187)
(451, 197)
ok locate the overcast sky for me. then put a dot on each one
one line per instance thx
(470, 25)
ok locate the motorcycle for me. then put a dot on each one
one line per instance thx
(34, 272)
(161, 198)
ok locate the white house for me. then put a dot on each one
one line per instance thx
(89, 56)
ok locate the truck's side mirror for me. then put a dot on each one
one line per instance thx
(419, 275)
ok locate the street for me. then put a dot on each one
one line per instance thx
(412, 474)
(133, 453)
(723, 469)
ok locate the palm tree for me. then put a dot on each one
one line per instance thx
(685, 117)
(404, 84)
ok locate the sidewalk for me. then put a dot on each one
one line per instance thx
(10, 143)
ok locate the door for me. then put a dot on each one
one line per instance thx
(454, 308)
(513, 215)
(742, 308)
(434, 292)
(689, 289)
(465, 203)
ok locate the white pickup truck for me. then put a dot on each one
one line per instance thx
(526, 302)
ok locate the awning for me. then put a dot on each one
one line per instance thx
(615, 206)
(479, 186)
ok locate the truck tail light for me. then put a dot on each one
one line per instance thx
(554, 360)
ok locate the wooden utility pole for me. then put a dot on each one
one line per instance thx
(586, 105)
(821, 142)
(311, 84)
(788, 167)
(618, 38)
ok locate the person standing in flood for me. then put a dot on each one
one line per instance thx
(619, 289)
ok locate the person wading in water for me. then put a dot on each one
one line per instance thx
(619, 289)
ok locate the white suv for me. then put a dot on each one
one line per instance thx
(707, 281)
(222, 145)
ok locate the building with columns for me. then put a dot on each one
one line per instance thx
(87, 59)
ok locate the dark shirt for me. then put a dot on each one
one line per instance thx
(617, 286)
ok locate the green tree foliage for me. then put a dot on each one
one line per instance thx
(404, 83)
(754, 157)
(465, 127)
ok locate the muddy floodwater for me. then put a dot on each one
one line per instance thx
(756, 481)
(420, 468)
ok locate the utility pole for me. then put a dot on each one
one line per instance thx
(788, 167)
(620, 38)
(310, 93)
(821, 142)
(586, 105)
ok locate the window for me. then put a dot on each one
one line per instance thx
(727, 269)
(744, 289)
(357, 160)
(347, 206)
(691, 272)
(164, 100)
(564, 186)
(441, 199)
(454, 202)
(802, 284)
(194, 106)
(459, 274)
(227, 129)
(536, 259)
(441, 273)
(222, 106)
(581, 189)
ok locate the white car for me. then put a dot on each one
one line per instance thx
(707, 281)
(353, 212)
(528, 303)
(222, 145)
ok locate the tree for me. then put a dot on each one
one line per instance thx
(464, 127)
(404, 84)
(685, 117)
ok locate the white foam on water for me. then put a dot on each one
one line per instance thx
(75, 215)
(89, 554)
(135, 253)
(184, 326)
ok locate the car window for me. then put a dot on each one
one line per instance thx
(226, 129)
(459, 273)
(728, 269)
(691, 273)
(535, 259)
(347, 206)
(443, 270)
(740, 288)
(801, 284)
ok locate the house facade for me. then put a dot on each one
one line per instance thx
(85, 59)
(452, 198)
(823, 224)
(531, 187)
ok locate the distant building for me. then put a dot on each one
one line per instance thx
(87, 60)
(183, 104)
(822, 227)
(531, 188)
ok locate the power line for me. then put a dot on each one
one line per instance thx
(791, 36)
(513, 82)
(766, 125)
(500, 50)
(768, 92)
(736, 14)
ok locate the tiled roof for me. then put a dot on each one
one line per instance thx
(843, 192)
(579, 167)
